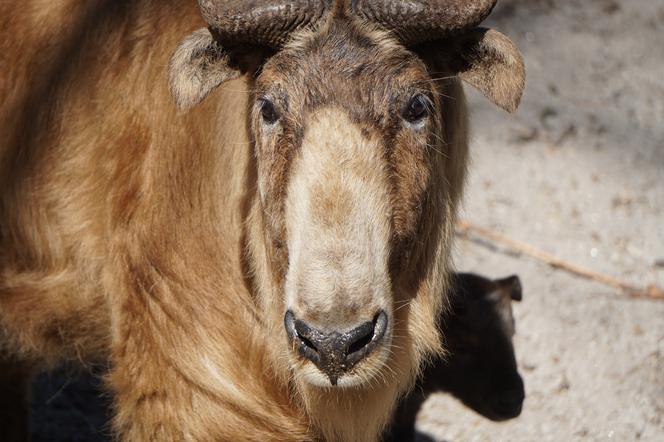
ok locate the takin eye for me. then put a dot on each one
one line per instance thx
(417, 109)
(268, 111)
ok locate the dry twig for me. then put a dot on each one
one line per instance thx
(467, 229)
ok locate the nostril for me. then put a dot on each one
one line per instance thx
(362, 335)
(362, 340)
(308, 340)
(307, 343)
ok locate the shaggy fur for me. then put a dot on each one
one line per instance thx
(159, 240)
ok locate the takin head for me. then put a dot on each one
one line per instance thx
(358, 164)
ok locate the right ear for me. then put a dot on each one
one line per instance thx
(197, 67)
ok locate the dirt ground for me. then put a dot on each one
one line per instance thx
(578, 172)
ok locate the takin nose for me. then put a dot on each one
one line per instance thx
(335, 353)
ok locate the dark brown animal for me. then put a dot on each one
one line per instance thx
(259, 264)
(480, 367)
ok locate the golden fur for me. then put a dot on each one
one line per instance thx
(134, 232)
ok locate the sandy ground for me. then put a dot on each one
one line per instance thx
(578, 172)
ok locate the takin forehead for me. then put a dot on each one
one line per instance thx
(346, 65)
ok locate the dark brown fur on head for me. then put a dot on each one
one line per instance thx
(370, 76)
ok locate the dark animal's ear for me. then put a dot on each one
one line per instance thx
(487, 60)
(197, 67)
(512, 285)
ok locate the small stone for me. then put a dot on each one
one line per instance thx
(583, 432)
(525, 134)
(529, 367)
(611, 7)
(564, 384)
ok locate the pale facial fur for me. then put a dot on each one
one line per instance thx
(338, 230)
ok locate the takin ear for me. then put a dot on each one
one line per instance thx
(197, 67)
(487, 60)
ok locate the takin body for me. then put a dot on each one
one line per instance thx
(480, 367)
(264, 263)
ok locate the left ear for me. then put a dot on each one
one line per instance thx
(487, 60)
(200, 64)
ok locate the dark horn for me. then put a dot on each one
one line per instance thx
(260, 22)
(418, 21)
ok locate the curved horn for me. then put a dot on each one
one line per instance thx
(417, 21)
(262, 22)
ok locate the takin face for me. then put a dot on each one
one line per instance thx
(360, 143)
(358, 117)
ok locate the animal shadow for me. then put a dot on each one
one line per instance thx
(480, 369)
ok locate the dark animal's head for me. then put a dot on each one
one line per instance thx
(481, 368)
(359, 128)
